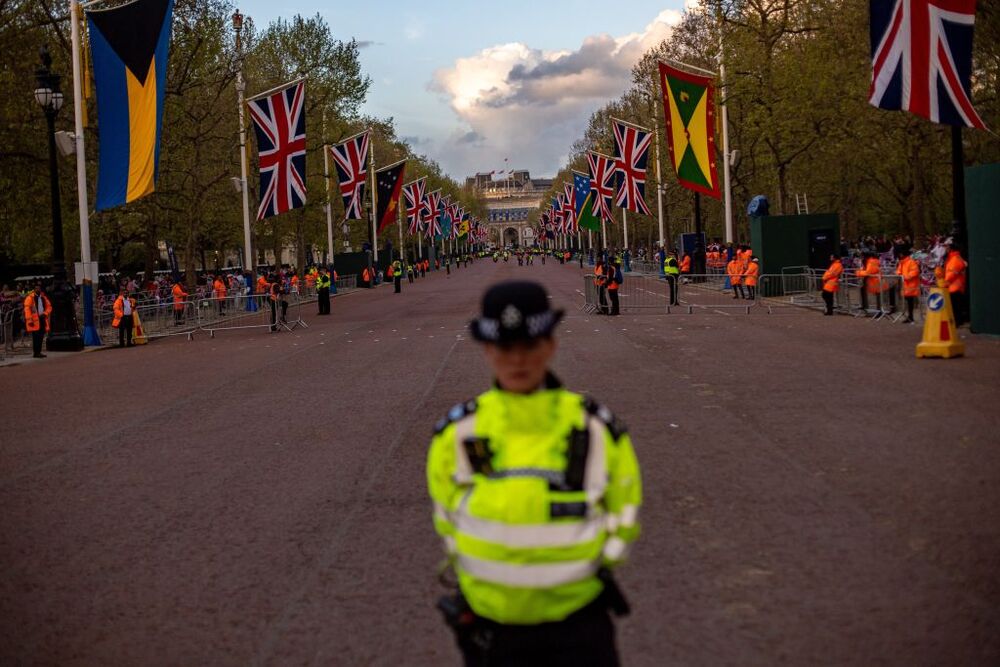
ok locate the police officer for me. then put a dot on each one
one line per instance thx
(323, 291)
(397, 276)
(671, 271)
(536, 491)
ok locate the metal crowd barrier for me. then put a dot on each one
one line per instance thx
(641, 292)
(259, 311)
(15, 340)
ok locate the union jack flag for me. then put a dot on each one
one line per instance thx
(432, 218)
(351, 160)
(414, 194)
(922, 59)
(631, 156)
(569, 208)
(602, 173)
(557, 213)
(279, 123)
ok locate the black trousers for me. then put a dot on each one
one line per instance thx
(409, 277)
(602, 300)
(125, 331)
(38, 337)
(323, 296)
(613, 295)
(751, 290)
(397, 283)
(584, 639)
(911, 304)
(828, 300)
(960, 307)
(672, 284)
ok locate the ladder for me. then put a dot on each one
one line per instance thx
(801, 204)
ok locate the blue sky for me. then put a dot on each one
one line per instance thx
(472, 83)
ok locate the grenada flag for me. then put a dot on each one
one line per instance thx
(689, 109)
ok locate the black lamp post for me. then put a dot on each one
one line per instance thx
(64, 334)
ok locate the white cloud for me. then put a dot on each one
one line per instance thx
(531, 104)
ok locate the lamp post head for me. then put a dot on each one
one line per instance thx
(237, 22)
(47, 91)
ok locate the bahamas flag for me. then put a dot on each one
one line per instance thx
(689, 108)
(128, 47)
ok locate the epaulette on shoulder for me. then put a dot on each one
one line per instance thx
(615, 425)
(457, 412)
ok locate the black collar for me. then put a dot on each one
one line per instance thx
(550, 382)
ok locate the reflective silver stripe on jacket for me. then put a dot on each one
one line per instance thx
(464, 428)
(546, 575)
(595, 479)
(560, 534)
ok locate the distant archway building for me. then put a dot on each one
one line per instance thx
(509, 201)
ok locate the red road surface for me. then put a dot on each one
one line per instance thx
(814, 494)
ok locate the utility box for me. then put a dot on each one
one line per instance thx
(982, 201)
(782, 241)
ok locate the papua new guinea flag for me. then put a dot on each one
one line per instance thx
(689, 108)
(128, 46)
(389, 185)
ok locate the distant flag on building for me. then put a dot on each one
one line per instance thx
(922, 59)
(631, 155)
(388, 185)
(351, 160)
(413, 193)
(279, 123)
(602, 173)
(129, 46)
(689, 110)
(584, 201)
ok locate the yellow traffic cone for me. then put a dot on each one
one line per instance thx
(940, 333)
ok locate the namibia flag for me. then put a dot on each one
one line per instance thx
(128, 46)
(689, 108)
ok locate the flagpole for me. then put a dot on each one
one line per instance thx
(399, 221)
(371, 166)
(727, 185)
(329, 211)
(240, 90)
(659, 179)
(625, 226)
(90, 335)
(604, 233)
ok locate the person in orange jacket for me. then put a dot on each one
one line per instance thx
(831, 282)
(219, 288)
(123, 308)
(614, 282)
(750, 277)
(734, 270)
(955, 283)
(37, 311)
(872, 283)
(909, 272)
(686, 264)
(179, 297)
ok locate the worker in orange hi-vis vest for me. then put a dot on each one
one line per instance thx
(955, 282)
(909, 271)
(831, 282)
(750, 277)
(734, 269)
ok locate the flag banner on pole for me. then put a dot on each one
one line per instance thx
(602, 172)
(432, 219)
(351, 160)
(922, 59)
(444, 215)
(464, 226)
(129, 46)
(569, 209)
(631, 156)
(413, 192)
(557, 213)
(585, 217)
(388, 185)
(689, 109)
(279, 123)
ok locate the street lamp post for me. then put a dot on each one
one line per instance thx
(64, 332)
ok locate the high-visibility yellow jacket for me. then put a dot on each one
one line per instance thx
(533, 493)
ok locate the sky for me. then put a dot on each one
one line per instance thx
(472, 84)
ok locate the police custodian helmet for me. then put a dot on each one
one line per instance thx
(515, 311)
